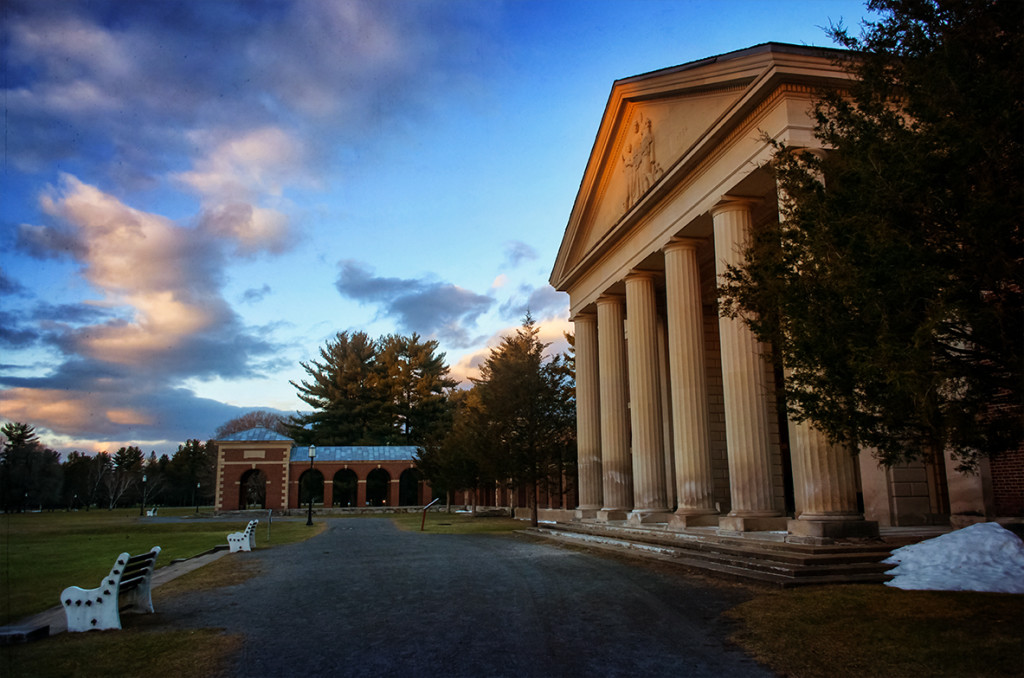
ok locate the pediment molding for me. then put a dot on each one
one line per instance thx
(682, 119)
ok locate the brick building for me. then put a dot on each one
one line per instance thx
(260, 468)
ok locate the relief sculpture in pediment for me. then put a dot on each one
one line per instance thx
(639, 162)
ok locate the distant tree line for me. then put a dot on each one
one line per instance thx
(33, 477)
(515, 427)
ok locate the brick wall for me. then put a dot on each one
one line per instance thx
(1008, 483)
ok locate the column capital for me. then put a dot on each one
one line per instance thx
(584, 316)
(732, 203)
(641, 275)
(609, 298)
(679, 243)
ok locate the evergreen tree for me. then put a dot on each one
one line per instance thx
(415, 381)
(77, 472)
(528, 417)
(891, 286)
(345, 393)
(451, 462)
(30, 474)
(194, 464)
(365, 392)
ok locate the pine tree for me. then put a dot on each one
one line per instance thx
(527, 410)
(394, 390)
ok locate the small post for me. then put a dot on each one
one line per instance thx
(142, 507)
(309, 485)
(423, 523)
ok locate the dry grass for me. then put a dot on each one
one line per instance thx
(863, 631)
(456, 523)
(192, 653)
(225, 571)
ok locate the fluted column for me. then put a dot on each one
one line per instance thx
(823, 474)
(616, 467)
(744, 388)
(650, 503)
(825, 477)
(588, 415)
(690, 423)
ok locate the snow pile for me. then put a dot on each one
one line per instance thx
(982, 557)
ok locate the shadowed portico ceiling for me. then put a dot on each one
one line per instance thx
(661, 130)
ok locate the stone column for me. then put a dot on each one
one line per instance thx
(588, 416)
(744, 389)
(690, 424)
(825, 482)
(650, 503)
(616, 467)
(824, 476)
(666, 417)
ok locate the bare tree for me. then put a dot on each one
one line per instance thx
(254, 419)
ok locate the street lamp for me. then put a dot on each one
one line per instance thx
(309, 485)
(197, 497)
(142, 507)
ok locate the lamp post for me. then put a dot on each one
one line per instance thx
(142, 507)
(309, 485)
(197, 497)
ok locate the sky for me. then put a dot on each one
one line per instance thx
(197, 195)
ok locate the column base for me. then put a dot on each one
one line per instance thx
(639, 517)
(769, 523)
(681, 521)
(835, 528)
(611, 515)
(582, 514)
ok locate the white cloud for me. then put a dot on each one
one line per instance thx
(245, 166)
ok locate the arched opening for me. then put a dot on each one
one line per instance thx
(252, 492)
(409, 487)
(346, 484)
(311, 484)
(378, 482)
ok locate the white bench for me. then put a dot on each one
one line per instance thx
(99, 608)
(244, 540)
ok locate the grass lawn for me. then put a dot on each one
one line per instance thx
(192, 653)
(864, 630)
(43, 553)
(456, 523)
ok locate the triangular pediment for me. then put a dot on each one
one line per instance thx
(652, 137)
(656, 125)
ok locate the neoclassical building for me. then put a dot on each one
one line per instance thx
(677, 415)
(260, 468)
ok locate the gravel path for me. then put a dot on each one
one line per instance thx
(366, 599)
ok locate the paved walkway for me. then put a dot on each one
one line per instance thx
(366, 599)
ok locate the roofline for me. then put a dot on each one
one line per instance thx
(776, 47)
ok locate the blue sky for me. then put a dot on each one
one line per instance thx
(197, 195)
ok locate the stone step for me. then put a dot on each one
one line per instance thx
(749, 561)
(797, 554)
